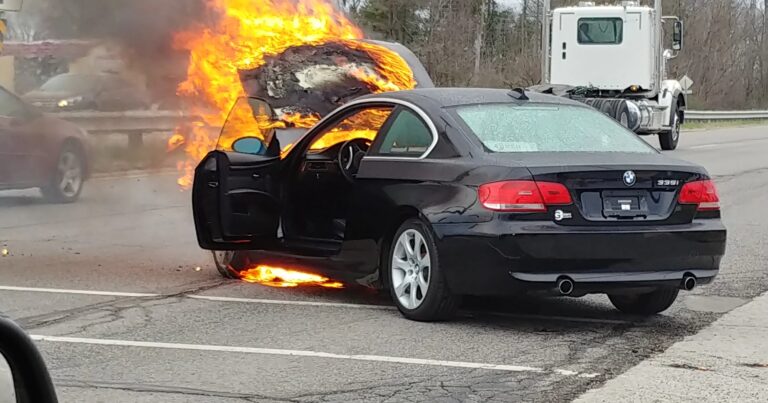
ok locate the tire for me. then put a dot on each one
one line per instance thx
(69, 177)
(410, 275)
(228, 263)
(668, 140)
(645, 304)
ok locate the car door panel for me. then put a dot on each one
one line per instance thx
(236, 201)
(23, 155)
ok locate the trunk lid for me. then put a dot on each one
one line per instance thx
(617, 188)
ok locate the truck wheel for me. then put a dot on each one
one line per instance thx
(645, 304)
(668, 140)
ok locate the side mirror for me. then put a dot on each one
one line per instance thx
(23, 375)
(677, 36)
(249, 145)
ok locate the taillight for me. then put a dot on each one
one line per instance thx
(702, 193)
(523, 196)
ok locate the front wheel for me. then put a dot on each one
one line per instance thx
(645, 304)
(416, 282)
(68, 179)
(668, 140)
(229, 263)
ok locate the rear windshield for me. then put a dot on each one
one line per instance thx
(548, 128)
(601, 31)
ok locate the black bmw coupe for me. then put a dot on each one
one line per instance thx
(438, 193)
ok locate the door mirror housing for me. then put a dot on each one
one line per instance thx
(677, 36)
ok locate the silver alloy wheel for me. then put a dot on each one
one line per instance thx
(411, 269)
(71, 174)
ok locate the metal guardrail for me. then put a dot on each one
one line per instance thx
(134, 124)
(725, 115)
(137, 124)
(129, 121)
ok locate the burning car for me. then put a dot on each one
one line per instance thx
(438, 193)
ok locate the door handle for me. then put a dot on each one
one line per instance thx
(256, 176)
(213, 185)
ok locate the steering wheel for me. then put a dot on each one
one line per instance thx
(350, 155)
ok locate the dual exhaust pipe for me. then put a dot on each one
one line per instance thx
(565, 285)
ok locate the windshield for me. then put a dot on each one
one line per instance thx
(72, 83)
(548, 128)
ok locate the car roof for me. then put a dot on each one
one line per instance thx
(447, 97)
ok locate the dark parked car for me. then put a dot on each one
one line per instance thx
(465, 191)
(100, 92)
(40, 151)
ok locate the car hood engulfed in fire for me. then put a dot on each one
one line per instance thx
(316, 79)
(304, 57)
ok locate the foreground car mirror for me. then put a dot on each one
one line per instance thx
(249, 145)
(23, 375)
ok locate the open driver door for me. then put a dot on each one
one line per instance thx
(236, 192)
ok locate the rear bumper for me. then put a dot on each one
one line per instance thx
(504, 257)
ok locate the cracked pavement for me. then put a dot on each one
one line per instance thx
(135, 235)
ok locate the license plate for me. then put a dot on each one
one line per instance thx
(622, 205)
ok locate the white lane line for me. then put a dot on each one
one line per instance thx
(301, 353)
(286, 302)
(80, 292)
(310, 303)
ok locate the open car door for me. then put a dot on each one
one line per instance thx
(236, 193)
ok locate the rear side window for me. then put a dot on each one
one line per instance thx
(548, 128)
(601, 31)
(407, 135)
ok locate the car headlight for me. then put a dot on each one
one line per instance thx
(69, 102)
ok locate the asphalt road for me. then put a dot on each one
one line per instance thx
(111, 289)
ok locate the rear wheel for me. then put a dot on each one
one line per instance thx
(68, 179)
(228, 263)
(668, 140)
(416, 283)
(645, 304)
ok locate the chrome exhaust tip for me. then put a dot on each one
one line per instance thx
(689, 283)
(565, 286)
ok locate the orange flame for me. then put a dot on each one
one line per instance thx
(176, 141)
(247, 31)
(284, 278)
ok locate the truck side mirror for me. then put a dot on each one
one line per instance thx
(677, 36)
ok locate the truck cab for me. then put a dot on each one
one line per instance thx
(613, 57)
(609, 47)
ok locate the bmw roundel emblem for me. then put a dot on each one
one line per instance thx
(630, 178)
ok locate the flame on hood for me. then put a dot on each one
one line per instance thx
(243, 33)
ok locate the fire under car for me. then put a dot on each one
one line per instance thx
(438, 193)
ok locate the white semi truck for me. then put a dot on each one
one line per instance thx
(613, 57)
